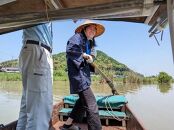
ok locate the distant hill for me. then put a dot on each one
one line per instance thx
(9, 63)
(110, 65)
(107, 64)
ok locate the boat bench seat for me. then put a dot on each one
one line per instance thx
(114, 101)
(104, 114)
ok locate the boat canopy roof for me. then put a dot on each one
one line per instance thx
(19, 14)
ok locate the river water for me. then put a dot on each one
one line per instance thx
(152, 104)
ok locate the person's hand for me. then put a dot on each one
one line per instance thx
(90, 60)
(85, 56)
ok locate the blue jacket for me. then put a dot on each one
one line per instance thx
(78, 68)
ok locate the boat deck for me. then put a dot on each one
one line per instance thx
(61, 111)
(132, 123)
(84, 126)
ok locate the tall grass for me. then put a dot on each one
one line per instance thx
(10, 76)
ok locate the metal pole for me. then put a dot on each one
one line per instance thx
(170, 13)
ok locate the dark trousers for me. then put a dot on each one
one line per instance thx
(87, 103)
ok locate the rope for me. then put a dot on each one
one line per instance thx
(153, 34)
(111, 113)
(162, 35)
(46, 10)
(156, 40)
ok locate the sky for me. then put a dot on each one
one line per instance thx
(128, 43)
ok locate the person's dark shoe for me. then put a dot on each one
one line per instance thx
(70, 127)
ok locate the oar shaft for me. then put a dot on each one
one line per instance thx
(109, 82)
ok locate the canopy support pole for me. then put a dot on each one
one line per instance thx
(170, 13)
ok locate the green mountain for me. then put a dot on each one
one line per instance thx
(107, 64)
(9, 63)
(110, 65)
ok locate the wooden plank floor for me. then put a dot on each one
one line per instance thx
(84, 126)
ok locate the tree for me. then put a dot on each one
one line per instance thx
(163, 77)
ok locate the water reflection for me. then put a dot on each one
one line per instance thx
(60, 89)
(164, 88)
(128, 88)
(10, 95)
(14, 87)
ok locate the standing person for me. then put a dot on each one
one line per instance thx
(36, 66)
(80, 53)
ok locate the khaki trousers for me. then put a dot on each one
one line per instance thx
(37, 77)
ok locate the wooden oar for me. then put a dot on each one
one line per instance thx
(109, 82)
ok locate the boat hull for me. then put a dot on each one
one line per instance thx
(131, 124)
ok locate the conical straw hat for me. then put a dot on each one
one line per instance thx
(100, 28)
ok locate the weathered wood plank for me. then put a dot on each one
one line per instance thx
(23, 6)
(115, 9)
(58, 125)
(15, 16)
(3, 2)
(12, 29)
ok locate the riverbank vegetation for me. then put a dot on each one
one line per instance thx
(4, 76)
(113, 69)
(164, 78)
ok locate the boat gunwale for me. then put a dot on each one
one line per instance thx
(132, 123)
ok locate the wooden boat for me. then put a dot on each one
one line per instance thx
(131, 122)
(19, 14)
